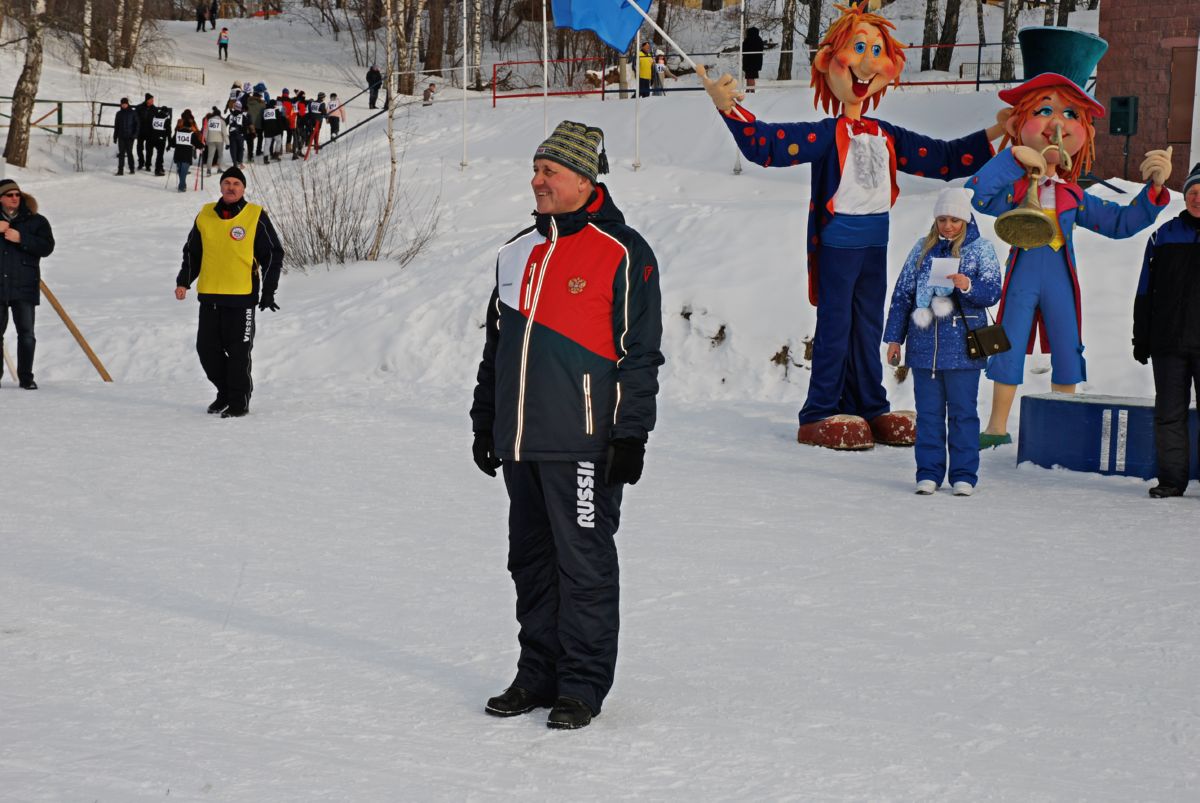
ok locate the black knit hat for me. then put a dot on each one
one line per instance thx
(1193, 178)
(8, 185)
(149, 96)
(233, 172)
(574, 145)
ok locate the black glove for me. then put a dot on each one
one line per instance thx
(1141, 353)
(268, 303)
(625, 459)
(484, 452)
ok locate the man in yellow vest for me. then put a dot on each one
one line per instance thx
(645, 70)
(235, 253)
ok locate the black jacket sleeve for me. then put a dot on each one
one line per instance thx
(193, 251)
(637, 336)
(1141, 304)
(36, 236)
(483, 410)
(268, 253)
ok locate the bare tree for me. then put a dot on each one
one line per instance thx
(1008, 41)
(437, 37)
(1065, 7)
(813, 37)
(945, 52)
(85, 50)
(477, 41)
(931, 33)
(16, 149)
(118, 35)
(787, 41)
(1049, 18)
(979, 20)
(133, 32)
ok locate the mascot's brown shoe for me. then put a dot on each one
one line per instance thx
(843, 432)
(897, 428)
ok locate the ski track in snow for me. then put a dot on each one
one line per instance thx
(311, 603)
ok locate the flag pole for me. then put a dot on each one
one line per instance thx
(463, 164)
(637, 99)
(737, 158)
(545, 73)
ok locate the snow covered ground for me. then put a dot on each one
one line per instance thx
(311, 603)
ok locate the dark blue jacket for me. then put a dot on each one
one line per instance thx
(21, 263)
(1166, 310)
(943, 345)
(125, 124)
(574, 328)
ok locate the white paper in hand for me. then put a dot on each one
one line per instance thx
(942, 267)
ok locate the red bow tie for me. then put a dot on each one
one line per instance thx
(864, 127)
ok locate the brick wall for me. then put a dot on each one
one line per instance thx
(1141, 35)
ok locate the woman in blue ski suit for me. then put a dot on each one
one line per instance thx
(946, 379)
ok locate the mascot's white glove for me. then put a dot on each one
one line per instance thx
(723, 91)
(1156, 167)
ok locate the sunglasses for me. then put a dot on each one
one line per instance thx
(12, 195)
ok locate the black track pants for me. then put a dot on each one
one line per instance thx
(223, 341)
(563, 561)
(1174, 377)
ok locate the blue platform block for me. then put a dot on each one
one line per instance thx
(1100, 434)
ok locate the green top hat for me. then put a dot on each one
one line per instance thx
(1058, 56)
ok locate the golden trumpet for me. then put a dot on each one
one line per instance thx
(1027, 226)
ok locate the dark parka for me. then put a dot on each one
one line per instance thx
(126, 124)
(1166, 310)
(574, 328)
(20, 263)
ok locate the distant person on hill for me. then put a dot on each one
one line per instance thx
(187, 141)
(145, 113)
(564, 404)
(125, 130)
(930, 318)
(645, 70)
(427, 95)
(1166, 330)
(302, 131)
(374, 81)
(235, 93)
(316, 115)
(288, 107)
(236, 256)
(273, 125)
(752, 57)
(212, 14)
(160, 128)
(214, 140)
(335, 113)
(223, 44)
(200, 18)
(254, 133)
(25, 239)
(661, 73)
(236, 126)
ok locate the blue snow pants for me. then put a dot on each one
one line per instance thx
(847, 372)
(1040, 279)
(947, 397)
(563, 561)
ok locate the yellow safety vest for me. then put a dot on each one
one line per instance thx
(645, 65)
(227, 267)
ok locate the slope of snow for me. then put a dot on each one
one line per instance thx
(311, 603)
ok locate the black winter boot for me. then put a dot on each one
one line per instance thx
(569, 714)
(218, 405)
(514, 701)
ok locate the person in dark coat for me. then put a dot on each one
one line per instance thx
(160, 128)
(145, 113)
(125, 131)
(186, 141)
(374, 81)
(201, 17)
(235, 257)
(752, 57)
(25, 239)
(564, 404)
(212, 15)
(1166, 330)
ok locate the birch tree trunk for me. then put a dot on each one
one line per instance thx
(477, 41)
(454, 10)
(408, 78)
(941, 59)
(16, 149)
(1049, 18)
(1065, 7)
(437, 37)
(385, 216)
(133, 32)
(85, 52)
(114, 52)
(1008, 42)
(931, 33)
(787, 41)
(979, 19)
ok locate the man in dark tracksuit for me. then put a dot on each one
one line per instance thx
(235, 253)
(25, 239)
(145, 113)
(160, 128)
(565, 402)
(125, 131)
(1166, 329)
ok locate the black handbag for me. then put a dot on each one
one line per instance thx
(985, 341)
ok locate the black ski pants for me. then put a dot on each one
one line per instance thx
(22, 315)
(125, 151)
(563, 561)
(155, 147)
(224, 340)
(1175, 375)
(144, 151)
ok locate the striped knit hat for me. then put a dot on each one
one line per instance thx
(1192, 179)
(574, 145)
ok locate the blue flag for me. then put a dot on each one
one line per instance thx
(614, 21)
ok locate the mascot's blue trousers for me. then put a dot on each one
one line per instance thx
(847, 372)
(563, 561)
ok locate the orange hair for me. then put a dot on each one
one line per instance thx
(1023, 113)
(837, 37)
